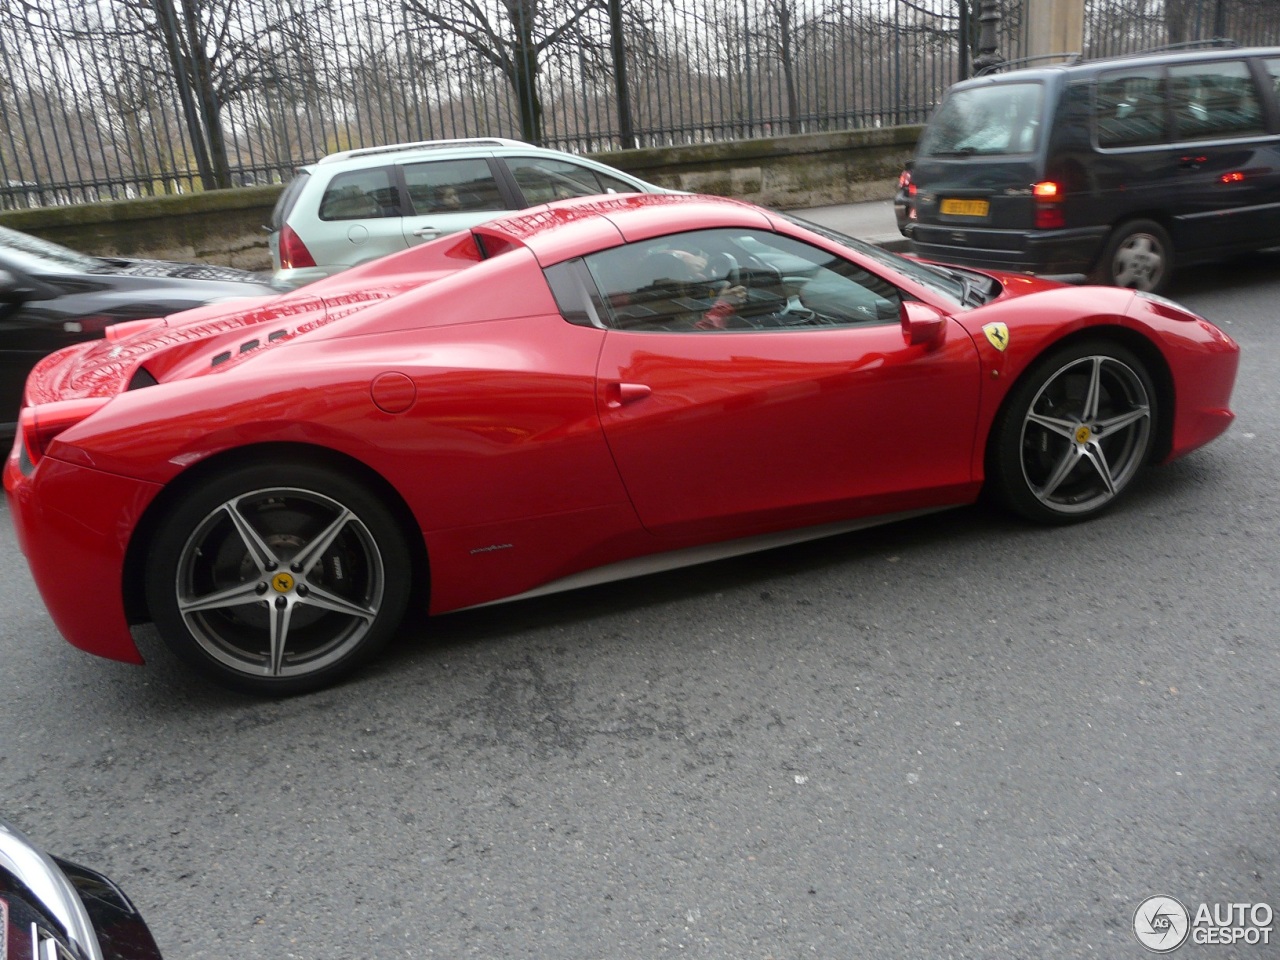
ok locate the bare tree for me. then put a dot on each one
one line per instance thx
(517, 37)
(212, 51)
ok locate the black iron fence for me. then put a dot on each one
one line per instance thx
(106, 99)
(1115, 27)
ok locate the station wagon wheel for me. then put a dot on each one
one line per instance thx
(1138, 255)
(1074, 434)
(278, 580)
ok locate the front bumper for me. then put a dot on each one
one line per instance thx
(1204, 371)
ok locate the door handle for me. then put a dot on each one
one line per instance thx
(620, 394)
(427, 232)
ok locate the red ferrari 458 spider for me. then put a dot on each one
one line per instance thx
(580, 392)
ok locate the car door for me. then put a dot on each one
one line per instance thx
(1227, 177)
(1135, 167)
(446, 196)
(806, 406)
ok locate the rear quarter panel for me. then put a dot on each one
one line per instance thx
(484, 423)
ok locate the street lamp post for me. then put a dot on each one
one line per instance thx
(988, 20)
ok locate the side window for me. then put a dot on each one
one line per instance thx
(610, 184)
(734, 279)
(575, 292)
(360, 195)
(543, 179)
(1272, 69)
(452, 186)
(1212, 100)
(1130, 108)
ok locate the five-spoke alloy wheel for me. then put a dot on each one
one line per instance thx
(278, 579)
(1074, 433)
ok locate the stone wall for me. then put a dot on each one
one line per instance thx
(226, 226)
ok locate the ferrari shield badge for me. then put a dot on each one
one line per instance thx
(997, 334)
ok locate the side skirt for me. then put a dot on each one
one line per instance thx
(690, 556)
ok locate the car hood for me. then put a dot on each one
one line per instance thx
(178, 270)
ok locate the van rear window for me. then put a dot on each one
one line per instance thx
(995, 120)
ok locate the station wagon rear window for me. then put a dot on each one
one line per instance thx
(995, 120)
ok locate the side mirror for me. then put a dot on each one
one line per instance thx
(921, 323)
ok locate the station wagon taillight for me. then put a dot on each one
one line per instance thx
(293, 252)
(1048, 196)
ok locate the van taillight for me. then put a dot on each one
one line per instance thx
(293, 252)
(905, 184)
(1049, 215)
(38, 425)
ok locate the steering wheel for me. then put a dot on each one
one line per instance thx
(726, 265)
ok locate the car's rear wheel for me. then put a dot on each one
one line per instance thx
(1138, 255)
(1074, 434)
(278, 579)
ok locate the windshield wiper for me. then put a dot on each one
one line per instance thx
(977, 288)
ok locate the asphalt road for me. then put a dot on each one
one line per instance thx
(954, 737)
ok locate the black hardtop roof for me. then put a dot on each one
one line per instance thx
(1074, 66)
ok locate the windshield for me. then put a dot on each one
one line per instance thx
(994, 120)
(33, 255)
(949, 286)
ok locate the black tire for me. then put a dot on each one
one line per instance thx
(295, 551)
(1073, 434)
(1138, 255)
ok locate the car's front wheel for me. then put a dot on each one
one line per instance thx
(278, 579)
(1074, 433)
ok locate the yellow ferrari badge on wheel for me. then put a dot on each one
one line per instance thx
(998, 335)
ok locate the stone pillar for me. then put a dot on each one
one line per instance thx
(1054, 26)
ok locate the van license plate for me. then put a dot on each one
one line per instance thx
(965, 208)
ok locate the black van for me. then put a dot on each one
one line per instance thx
(1109, 170)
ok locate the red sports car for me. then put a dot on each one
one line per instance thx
(584, 391)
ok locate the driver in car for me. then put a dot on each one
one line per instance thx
(728, 297)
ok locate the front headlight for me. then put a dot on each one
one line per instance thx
(1168, 304)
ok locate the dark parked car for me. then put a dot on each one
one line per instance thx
(51, 909)
(51, 297)
(1117, 169)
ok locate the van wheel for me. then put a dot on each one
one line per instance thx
(1139, 256)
